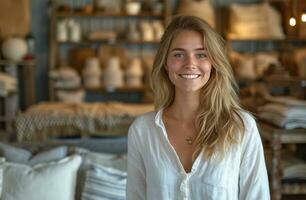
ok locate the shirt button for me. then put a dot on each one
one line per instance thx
(182, 187)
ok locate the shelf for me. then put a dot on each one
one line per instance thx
(111, 42)
(106, 14)
(268, 132)
(105, 89)
(294, 189)
(119, 89)
(23, 62)
(8, 94)
(276, 1)
(91, 20)
(278, 80)
(275, 137)
(268, 45)
(287, 40)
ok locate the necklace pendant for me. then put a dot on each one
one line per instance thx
(189, 140)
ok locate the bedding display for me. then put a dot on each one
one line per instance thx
(73, 175)
(31, 182)
(104, 181)
(49, 120)
(284, 112)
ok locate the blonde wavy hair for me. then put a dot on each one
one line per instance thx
(218, 121)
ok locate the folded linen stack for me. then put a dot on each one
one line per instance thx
(65, 78)
(294, 169)
(104, 183)
(284, 112)
(8, 84)
(46, 171)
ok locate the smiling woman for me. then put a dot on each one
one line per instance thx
(199, 143)
(187, 64)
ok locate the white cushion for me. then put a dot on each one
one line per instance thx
(47, 181)
(24, 156)
(14, 154)
(49, 155)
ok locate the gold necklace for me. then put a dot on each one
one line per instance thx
(189, 140)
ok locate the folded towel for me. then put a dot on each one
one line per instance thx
(293, 168)
(104, 183)
(283, 122)
(287, 111)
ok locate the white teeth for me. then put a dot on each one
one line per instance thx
(189, 76)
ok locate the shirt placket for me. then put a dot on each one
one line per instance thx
(184, 187)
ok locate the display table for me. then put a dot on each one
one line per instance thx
(275, 137)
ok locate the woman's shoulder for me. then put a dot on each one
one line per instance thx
(247, 118)
(251, 135)
(142, 126)
(144, 120)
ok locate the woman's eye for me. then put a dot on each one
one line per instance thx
(201, 55)
(178, 55)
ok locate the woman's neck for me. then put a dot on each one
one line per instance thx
(184, 107)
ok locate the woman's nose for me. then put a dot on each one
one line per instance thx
(190, 62)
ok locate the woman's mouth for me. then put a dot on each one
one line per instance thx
(189, 76)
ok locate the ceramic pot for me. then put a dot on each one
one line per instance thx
(92, 73)
(134, 73)
(62, 31)
(133, 8)
(113, 75)
(14, 48)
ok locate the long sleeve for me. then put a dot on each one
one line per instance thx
(253, 179)
(136, 182)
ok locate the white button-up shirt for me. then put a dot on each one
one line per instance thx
(156, 173)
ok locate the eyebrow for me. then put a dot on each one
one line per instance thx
(181, 49)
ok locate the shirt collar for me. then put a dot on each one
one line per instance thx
(159, 121)
(159, 118)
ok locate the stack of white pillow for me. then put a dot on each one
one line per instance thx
(59, 173)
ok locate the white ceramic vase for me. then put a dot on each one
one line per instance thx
(113, 75)
(14, 48)
(92, 73)
(134, 73)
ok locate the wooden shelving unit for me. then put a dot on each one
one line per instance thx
(106, 14)
(109, 42)
(55, 15)
(21, 63)
(275, 137)
(119, 89)
(296, 86)
(24, 72)
(110, 89)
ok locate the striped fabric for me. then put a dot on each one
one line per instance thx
(104, 183)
